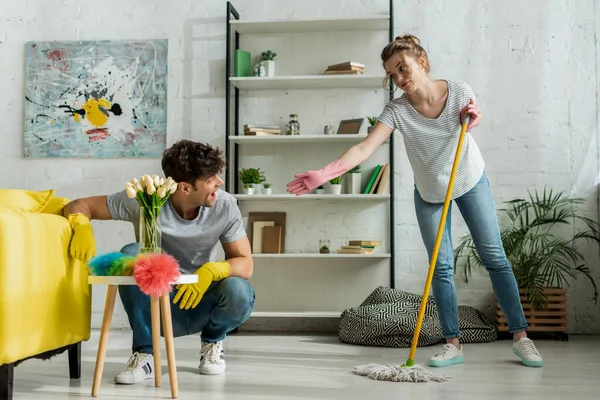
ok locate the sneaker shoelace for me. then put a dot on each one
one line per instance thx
(445, 350)
(529, 348)
(212, 352)
(135, 361)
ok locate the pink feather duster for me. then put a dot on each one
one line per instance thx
(155, 273)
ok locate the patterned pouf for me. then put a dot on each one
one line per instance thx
(388, 318)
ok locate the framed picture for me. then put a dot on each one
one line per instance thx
(350, 126)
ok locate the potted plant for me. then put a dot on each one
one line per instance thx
(355, 180)
(268, 60)
(542, 259)
(320, 189)
(336, 184)
(251, 177)
(372, 122)
(267, 186)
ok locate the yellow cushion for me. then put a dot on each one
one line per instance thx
(21, 200)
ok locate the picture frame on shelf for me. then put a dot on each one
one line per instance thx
(350, 126)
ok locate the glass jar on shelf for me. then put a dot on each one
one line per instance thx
(293, 126)
(324, 246)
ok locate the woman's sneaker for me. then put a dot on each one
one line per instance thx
(525, 349)
(212, 361)
(139, 368)
(448, 354)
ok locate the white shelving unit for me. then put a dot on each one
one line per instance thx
(303, 283)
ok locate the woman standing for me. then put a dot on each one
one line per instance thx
(428, 116)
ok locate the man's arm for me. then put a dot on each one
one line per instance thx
(239, 256)
(94, 207)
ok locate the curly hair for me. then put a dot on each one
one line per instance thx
(189, 161)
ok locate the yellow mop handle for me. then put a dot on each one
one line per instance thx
(413, 349)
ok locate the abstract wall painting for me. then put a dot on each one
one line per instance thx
(89, 99)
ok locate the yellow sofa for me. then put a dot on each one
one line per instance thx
(45, 300)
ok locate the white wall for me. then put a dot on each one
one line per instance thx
(532, 65)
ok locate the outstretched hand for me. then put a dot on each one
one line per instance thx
(474, 114)
(305, 182)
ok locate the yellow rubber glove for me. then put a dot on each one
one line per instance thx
(191, 293)
(83, 243)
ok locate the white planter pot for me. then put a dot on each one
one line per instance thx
(269, 66)
(355, 183)
(320, 191)
(249, 190)
(336, 189)
(268, 190)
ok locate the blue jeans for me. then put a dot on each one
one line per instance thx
(225, 306)
(479, 213)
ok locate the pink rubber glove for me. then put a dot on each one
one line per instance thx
(474, 114)
(309, 180)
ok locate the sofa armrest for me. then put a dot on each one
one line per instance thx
(45, 301)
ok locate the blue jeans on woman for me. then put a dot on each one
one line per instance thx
(479, 213)
(225, 306)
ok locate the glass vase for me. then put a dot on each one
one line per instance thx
(150, 230)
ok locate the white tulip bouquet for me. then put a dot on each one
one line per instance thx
(151, 192)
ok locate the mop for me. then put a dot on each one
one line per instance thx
(409, 372)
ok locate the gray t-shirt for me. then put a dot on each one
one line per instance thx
(191, 243)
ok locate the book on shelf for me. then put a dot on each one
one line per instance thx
(378, 183)
(261, 130)
(359, 247)
(346, 68)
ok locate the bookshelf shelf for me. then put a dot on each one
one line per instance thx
(328, 197)
(296, 314)
(318, 255)
(308, 82)
(366, 23)
(287, 280)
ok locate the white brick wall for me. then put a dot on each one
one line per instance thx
(532, 65)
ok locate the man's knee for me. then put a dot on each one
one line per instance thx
(131, 249)
(239, 295)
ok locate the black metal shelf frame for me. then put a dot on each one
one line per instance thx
(231, 171)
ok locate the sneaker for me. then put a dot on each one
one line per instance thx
(448, 354)
(139, 368)
(211, 359)
(525, 349)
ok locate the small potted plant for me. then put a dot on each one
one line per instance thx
(372, 122)
(321, 189)
(267, 187)
(324, 246)
(268, 61)
(251, 177)
(336, 184)
(355, 180)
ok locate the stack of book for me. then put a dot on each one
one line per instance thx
(379, 181)
(346, 68)
(359, 247)
(261, 130)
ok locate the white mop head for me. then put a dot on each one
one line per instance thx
(397, 373)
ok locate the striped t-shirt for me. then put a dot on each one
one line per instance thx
(431, 144)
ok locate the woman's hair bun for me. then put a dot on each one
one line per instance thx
(408, 38)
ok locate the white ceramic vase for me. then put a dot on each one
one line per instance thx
(269, 66)
(336, 189)
(355, 183)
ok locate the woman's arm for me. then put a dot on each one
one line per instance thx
(363, 150)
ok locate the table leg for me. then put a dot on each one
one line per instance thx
(155, 315)
(109, 306)
(168, 332)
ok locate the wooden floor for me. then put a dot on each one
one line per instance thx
(291, 366)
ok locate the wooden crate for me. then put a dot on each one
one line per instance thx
(551, 319)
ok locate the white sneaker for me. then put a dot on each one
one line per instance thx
(211, 359)
(525, 349)
(139, 368)
(448, 354)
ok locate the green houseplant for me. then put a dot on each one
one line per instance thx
(372, 122)
(251, 177)
(540, 256)
(336, 184)
(355, 180)
(268, 61)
